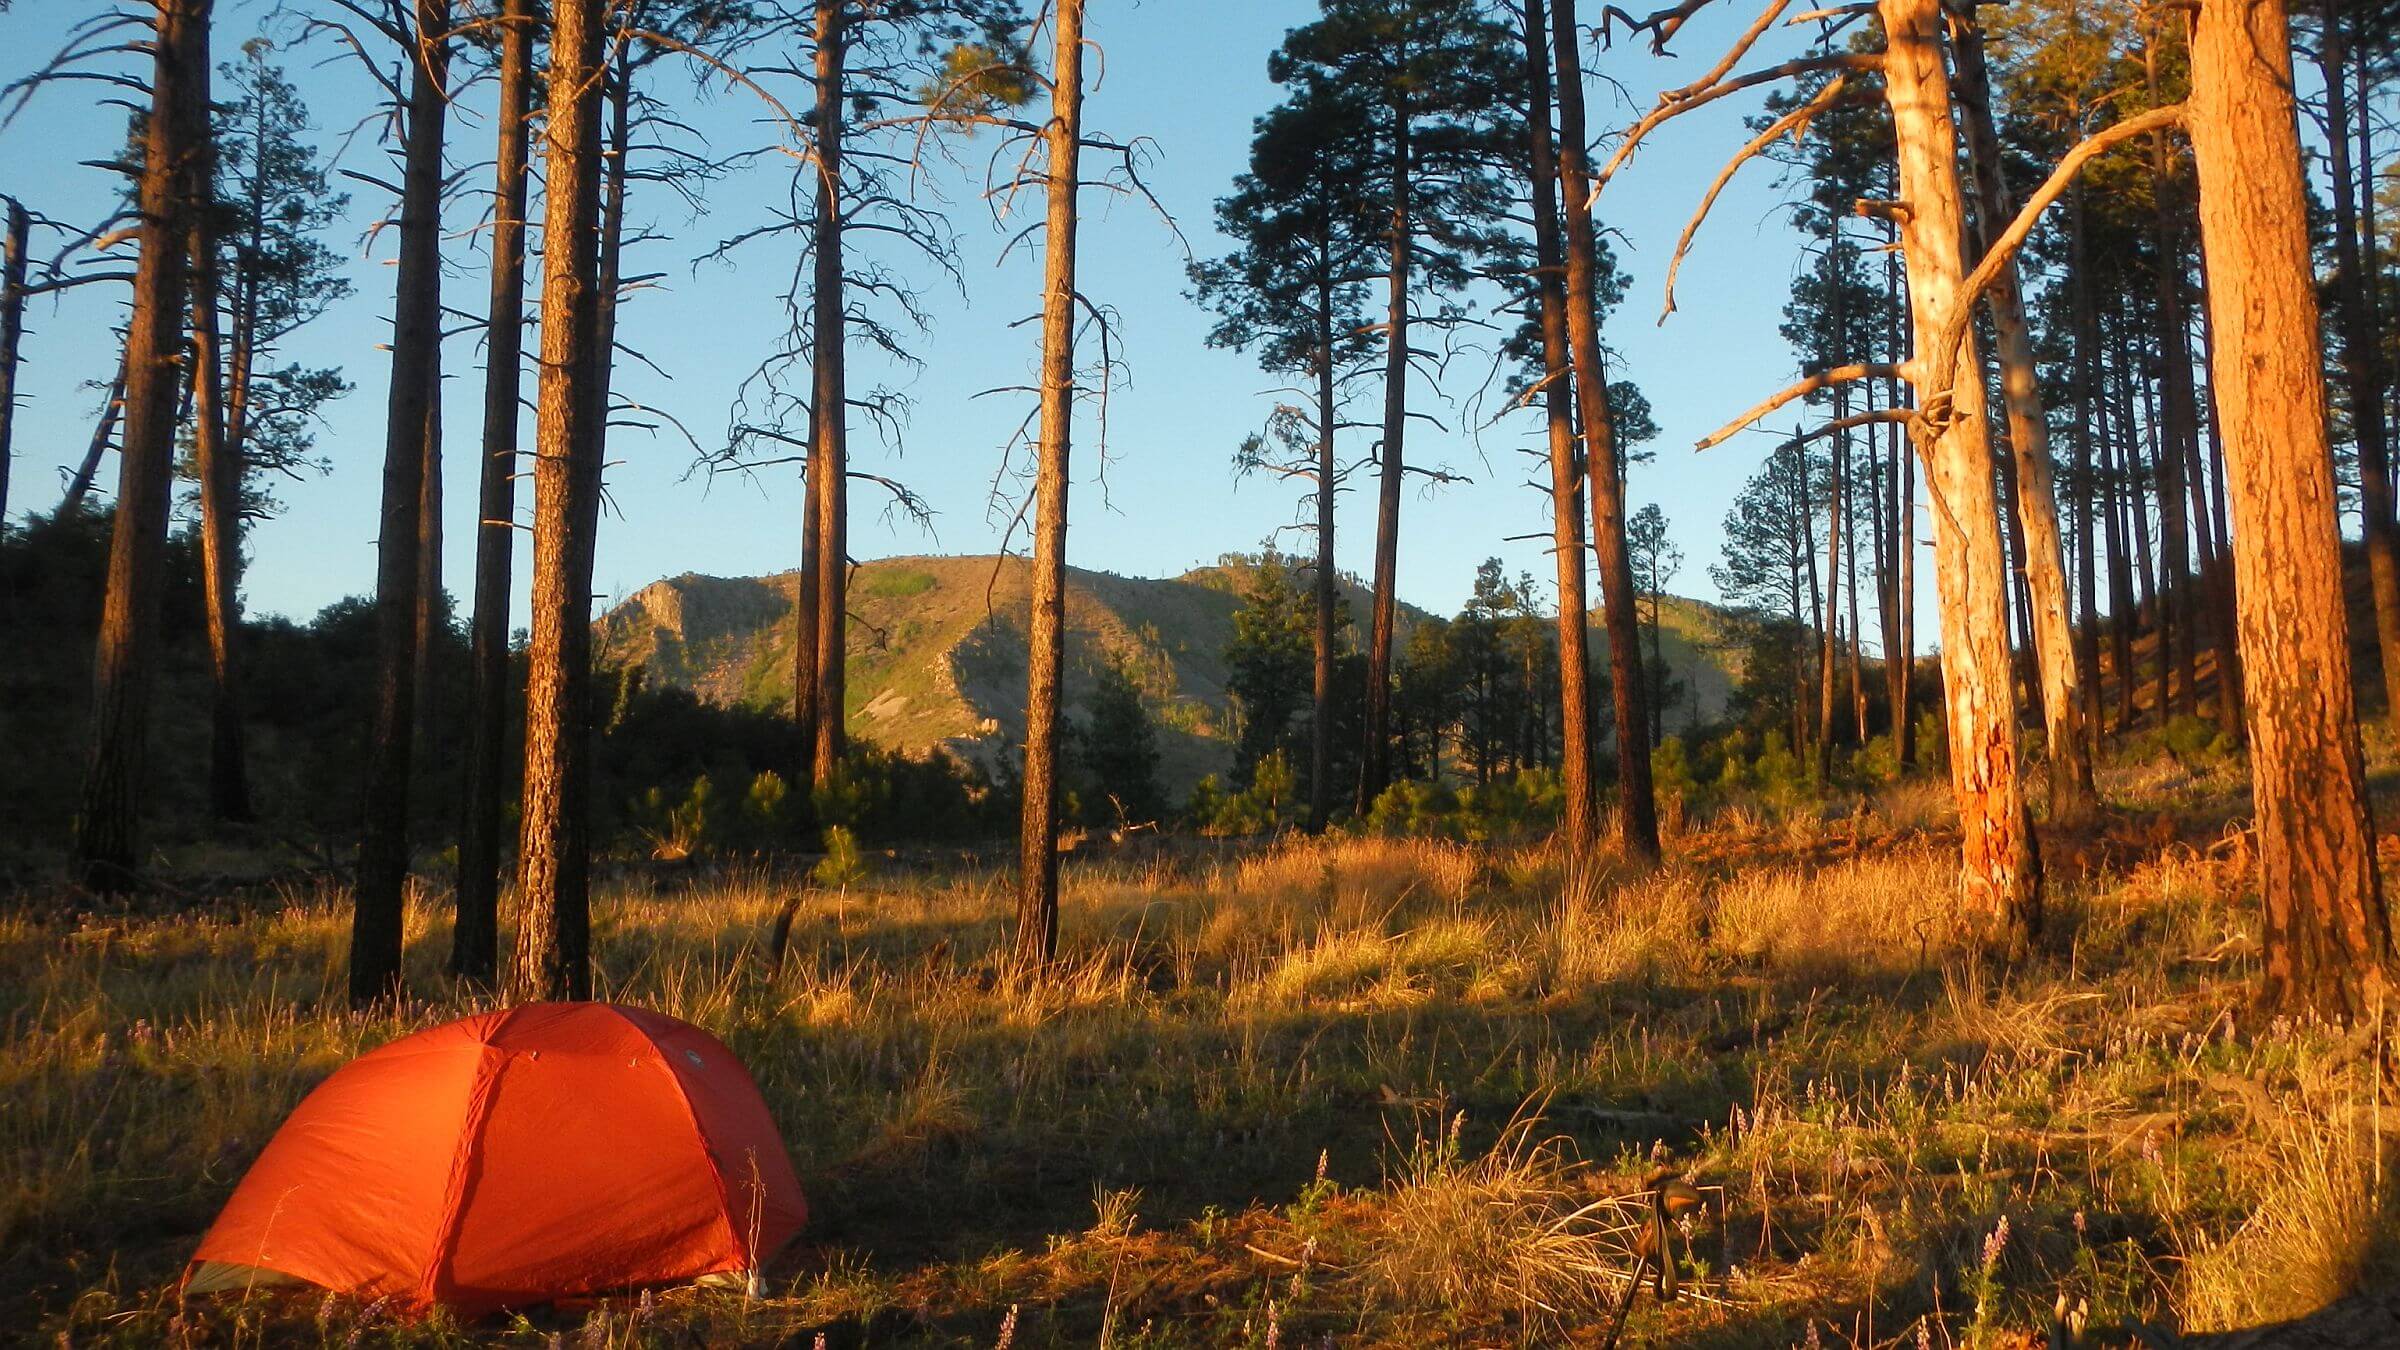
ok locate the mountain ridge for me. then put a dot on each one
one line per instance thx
(937, 649)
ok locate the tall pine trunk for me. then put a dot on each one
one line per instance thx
(2087, 488)
(1374, 765)
(553, 957)
(475, 940)
(107, 835)
(2328, 938)
(1566, 472)
(217, 464)
(829, 455)
(375, 926)
(12, 334)
(1037, 893)
(1320, 690)
(2060, 674)
(2000, 871)
(2351, 289)
(1604, 475)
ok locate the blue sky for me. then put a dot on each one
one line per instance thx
(1188, 75)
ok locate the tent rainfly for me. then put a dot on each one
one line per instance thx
(514, 1158)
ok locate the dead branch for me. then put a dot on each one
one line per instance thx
(1796, 123)
(1941, 363)
(1733, 54)
(1665, 111)
(1876, 417)
(1825, 379)
(1661, 25)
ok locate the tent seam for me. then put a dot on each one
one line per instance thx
(454, 1191)
(708, 1154)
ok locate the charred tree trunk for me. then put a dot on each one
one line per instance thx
(2071, 793)
(1604, 475)
(829, 454)
(1566, 471)
(1037, 894)
(2000, 872)
(2328, 938)
(375, 929)
(553, 958)
(2351, 288)
(107, 839)
(475, 940)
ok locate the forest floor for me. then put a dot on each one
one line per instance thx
(1344, 1092)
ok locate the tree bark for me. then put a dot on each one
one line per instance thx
(107, 839)
(217, 464)
(375, 929)
(1037, 894)
(2328, 938)
(1579, 826)
(2000, 872)
(1320, 693)
(2071, 794)
(1828, 641)
(553, 957)
(1604, 475)
(1374, 765)
(2087, 575)
(2351, 288)
(12, 333)
(475, 939)
(829, 449)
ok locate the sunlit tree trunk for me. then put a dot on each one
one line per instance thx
(2328, 939)
(2351, 288)
(1604, 475)
(2087, 563)
(107, 840)
(1037, 893)
(553, 958)
(375, 930)
(2060, 675)
(1566, 472)
(1374, 765)
(475, 940)
(2000, 872)
(829, 455)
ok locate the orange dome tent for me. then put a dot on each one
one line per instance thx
(513, 1158)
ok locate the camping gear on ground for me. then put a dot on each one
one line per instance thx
(514, 1158)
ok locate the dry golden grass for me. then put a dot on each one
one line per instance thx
(1310, 1062)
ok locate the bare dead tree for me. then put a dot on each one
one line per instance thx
(2072, 797)
(2000, 878)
